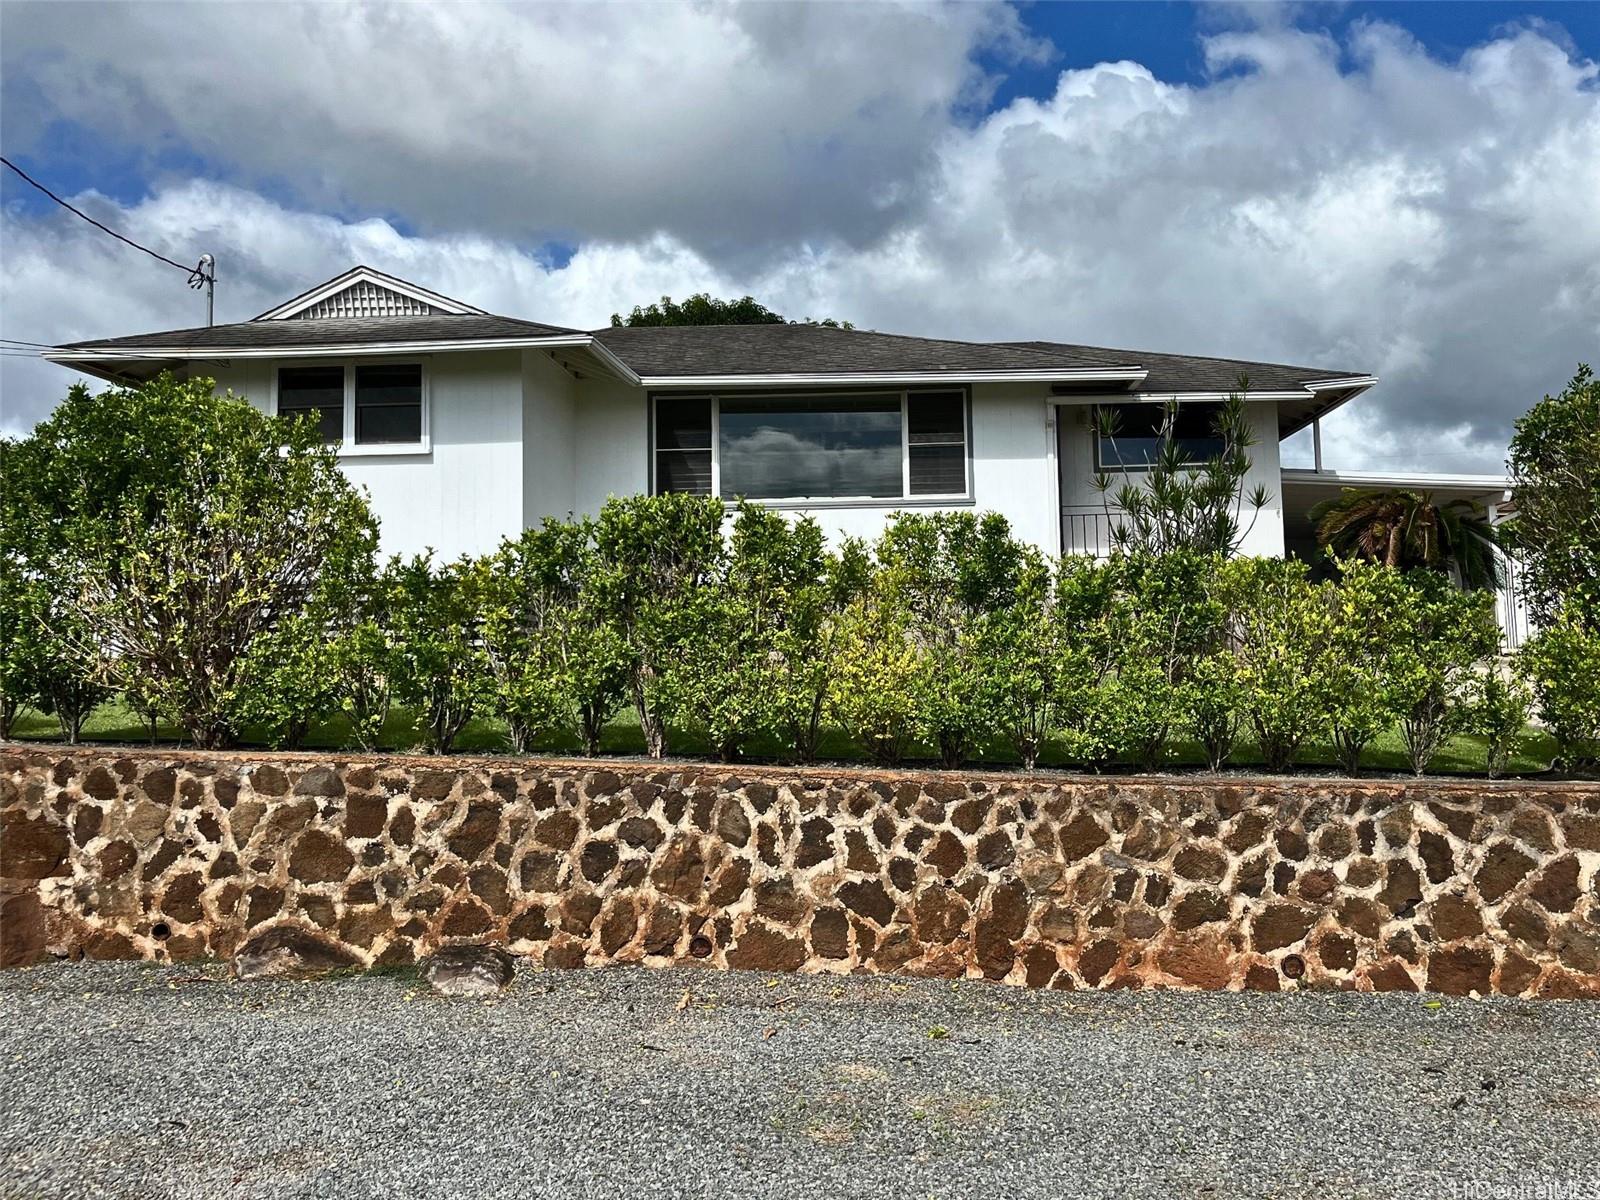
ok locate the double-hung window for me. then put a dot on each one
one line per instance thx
(371, 408)
(1129, 437)
(838, 447)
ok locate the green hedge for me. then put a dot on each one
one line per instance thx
(163, 544)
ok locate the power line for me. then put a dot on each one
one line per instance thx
(194, 273)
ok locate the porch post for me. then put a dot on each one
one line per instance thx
(1316, 442)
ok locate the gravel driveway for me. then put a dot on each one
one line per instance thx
(133, 1080)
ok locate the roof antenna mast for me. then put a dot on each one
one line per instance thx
(205, 276)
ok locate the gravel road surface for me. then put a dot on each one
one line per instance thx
(123, 1080)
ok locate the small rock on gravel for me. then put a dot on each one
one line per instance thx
(468, 970)
(290, 952)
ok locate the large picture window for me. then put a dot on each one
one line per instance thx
(831, 447)
(1134, 440)
(372, 408)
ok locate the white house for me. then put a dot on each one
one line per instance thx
(466, 427)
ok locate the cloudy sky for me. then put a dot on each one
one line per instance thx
(1407, 189)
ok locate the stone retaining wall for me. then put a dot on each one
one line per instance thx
(1065, 882)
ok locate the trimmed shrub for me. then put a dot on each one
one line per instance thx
(1368, 626)
(811, 645)
(438, 667)
(653, 554)
(882, 675)
(1499, 706)
(1278, 625)
(1448, 633)
(554, 665)
(731, 631)
(947, 573)
(1562, 663)
(1164, 616)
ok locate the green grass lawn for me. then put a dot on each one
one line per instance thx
(113, 722)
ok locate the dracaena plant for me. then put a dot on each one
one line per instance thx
(1182, 503)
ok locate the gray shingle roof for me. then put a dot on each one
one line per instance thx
(700, 350)
(340, 331)
(748, 350)
(1194, 373)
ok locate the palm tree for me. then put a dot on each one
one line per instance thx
(1406, 529)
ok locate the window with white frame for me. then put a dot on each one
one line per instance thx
(870, 446)
(371, 405)
(1130, 437)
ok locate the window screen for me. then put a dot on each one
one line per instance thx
(683, 445)
(316, 393)
(389, 404)
(936, 434)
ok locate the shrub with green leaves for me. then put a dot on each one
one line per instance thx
(1278, 626)
(1499, 707)
(1562, 663)
(177, 527)
(1448, 636)
(1163, 617)
(1212, 701)
(553, 666)
(1086, 593)
(653, 554)
(1035, 663)
(811, 643)
(947, 572)
(877, 693)
(740, 631)
(438, 666)
(1555, 489)
(1368, 627)
(290, 679)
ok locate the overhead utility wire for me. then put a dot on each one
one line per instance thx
(192, 272)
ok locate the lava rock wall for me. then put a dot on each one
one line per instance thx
(1048, 881)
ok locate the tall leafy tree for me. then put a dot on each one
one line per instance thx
(704, 309)
(178, 527)
(1555, 490)
(1407, 530)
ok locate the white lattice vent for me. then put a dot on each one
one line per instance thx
(367, 299)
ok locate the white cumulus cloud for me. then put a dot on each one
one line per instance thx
(1360, 205)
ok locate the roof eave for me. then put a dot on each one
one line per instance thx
(1343, 391)
(87, 359)
(879, 378)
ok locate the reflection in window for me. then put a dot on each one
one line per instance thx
(818, 448)
(840, 446)
(1135, 438)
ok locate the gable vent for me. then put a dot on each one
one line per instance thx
(367, 299)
